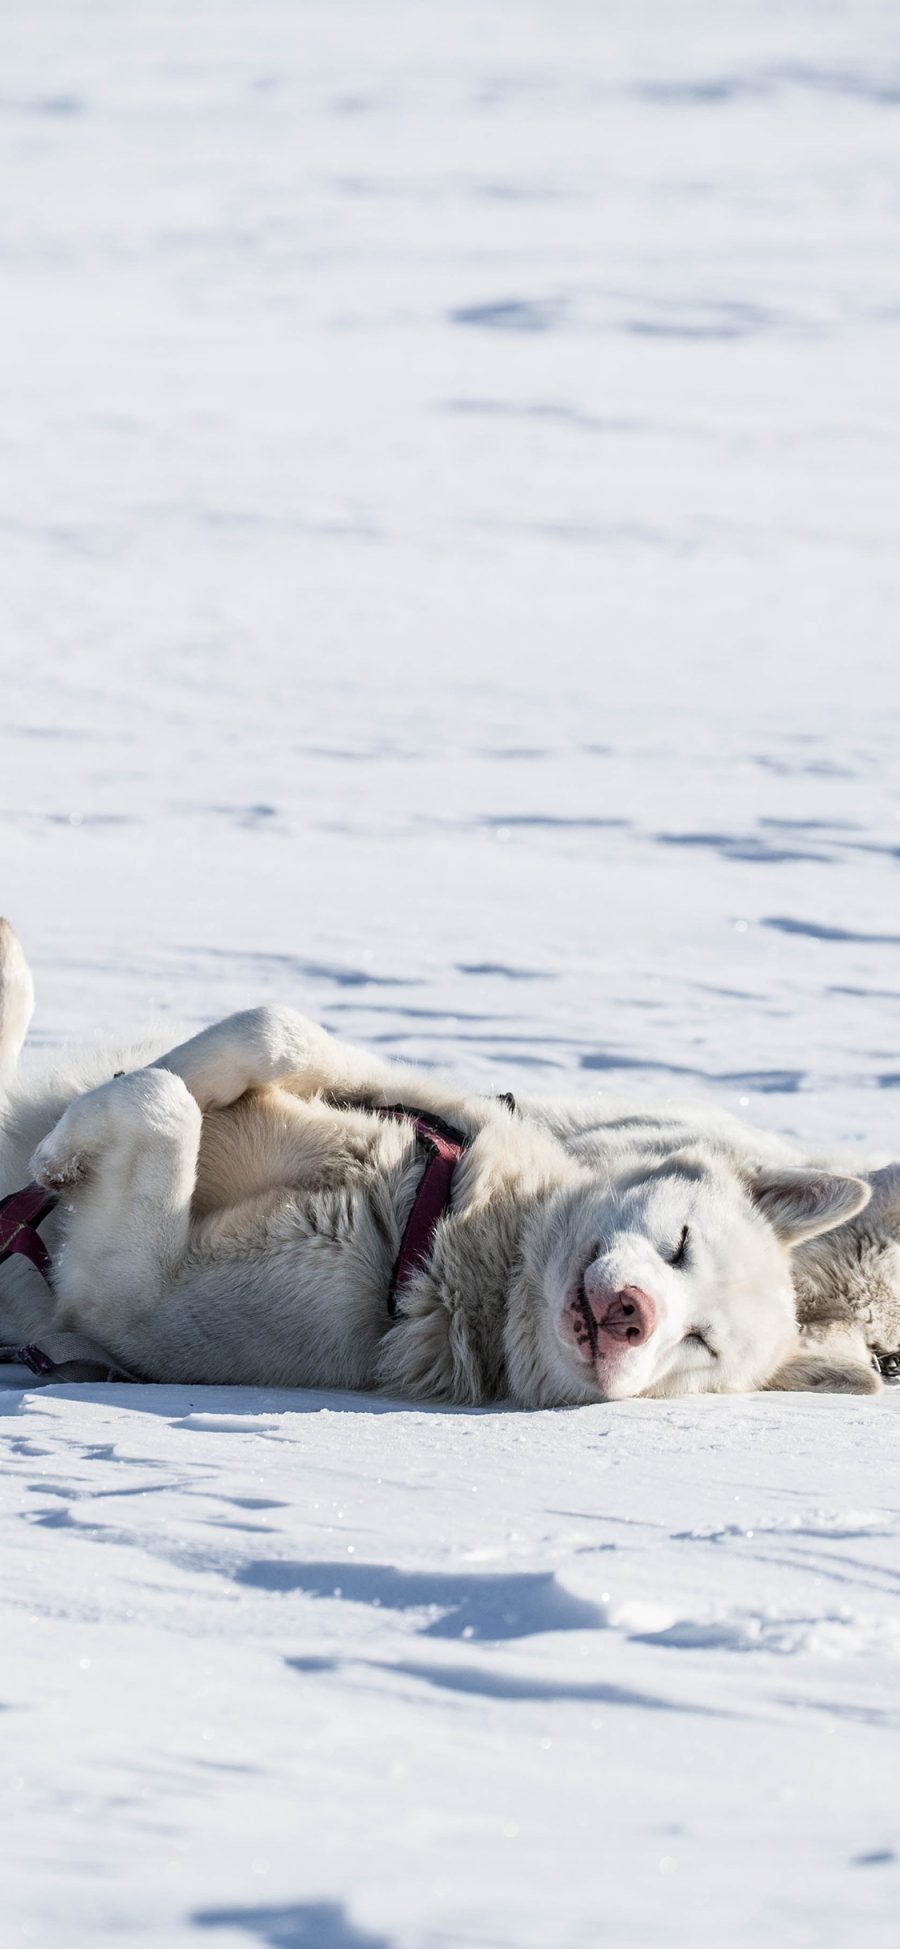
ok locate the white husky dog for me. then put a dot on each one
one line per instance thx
(231, 1210)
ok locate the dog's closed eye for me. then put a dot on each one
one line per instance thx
(677, 1257)
(697, 1339)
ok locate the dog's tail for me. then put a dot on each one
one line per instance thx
(16, 1001)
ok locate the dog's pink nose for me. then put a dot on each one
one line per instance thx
(628, 1315)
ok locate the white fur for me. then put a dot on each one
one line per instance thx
(16, 1000)
(232, 1211)
(846, 1279)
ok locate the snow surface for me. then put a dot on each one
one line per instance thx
(449, 516)
(318, 1671)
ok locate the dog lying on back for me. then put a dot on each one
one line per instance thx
(231, 1212)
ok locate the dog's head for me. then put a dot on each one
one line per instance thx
(676, 1280)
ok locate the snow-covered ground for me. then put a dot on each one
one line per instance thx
(316, 1672)
(449, 519)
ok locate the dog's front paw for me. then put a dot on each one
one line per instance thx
(76, 1142)
(144, 1103)
(58, 1161)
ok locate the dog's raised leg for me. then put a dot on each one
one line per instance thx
(16, 1000)
(124, 1160)
(275, 1045)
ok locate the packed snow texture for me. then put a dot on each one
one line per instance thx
(450, 583)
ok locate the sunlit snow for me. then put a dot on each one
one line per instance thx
(450, 580)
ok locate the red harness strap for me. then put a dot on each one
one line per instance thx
(445, 1147)
(61, 1356)
(20, 1215)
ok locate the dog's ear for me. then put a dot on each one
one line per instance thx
(800, 1203)
(886, 1196)
(825, 1371)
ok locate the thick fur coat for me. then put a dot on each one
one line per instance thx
(230, 1211)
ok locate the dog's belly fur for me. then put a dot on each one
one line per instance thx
(296, 1221)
